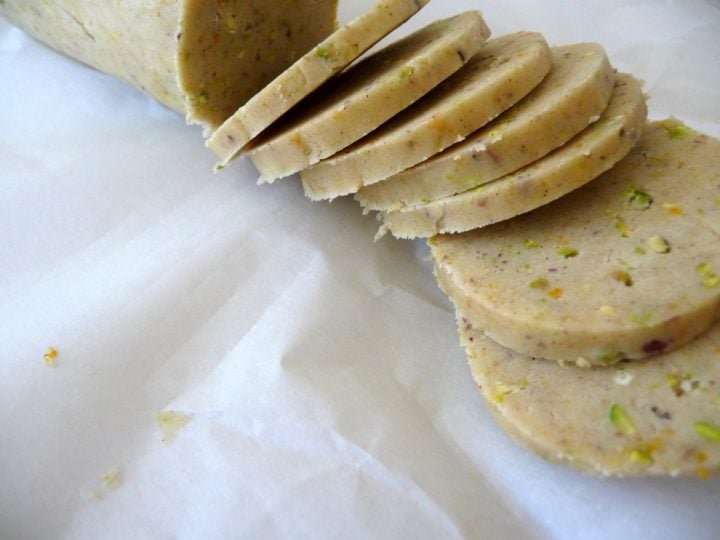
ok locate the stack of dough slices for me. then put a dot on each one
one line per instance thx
(578, 243)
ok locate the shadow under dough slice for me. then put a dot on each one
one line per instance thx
(307, 74)
(648, 418)
(504, 71)
(582, 159)
(571, 97)
(367, 95)
(626, 267)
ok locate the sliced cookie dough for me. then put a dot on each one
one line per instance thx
(365, 96)
(504, 71)
(646, 418)
(626, 267)
(203, 59)
(582, 159)
(308, 73)
(572, 96)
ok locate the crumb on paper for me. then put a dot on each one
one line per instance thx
(171, 423)
(109, 481)
(112, 479)
(50, 357)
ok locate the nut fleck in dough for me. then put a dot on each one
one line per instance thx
(368, 94)
(308, 73)
(583, 158)
(201, 58)
(626, 267)
(574, 93)
(504, 71)
(646, 418)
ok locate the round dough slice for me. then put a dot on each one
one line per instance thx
(648, 418)
(308, 73)
(627, 267)
(203, 59)
(583, 158)
(365, 96)
(504, 71)
(572, 96)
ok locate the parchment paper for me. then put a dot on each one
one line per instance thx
(326, 392)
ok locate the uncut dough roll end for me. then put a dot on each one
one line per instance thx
(203, 59)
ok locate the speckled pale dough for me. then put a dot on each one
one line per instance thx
(308, 73)
(368, 94)
(627, 267)
(648, 418)
(582, 159)
(504, 71)
(574, 93)
(201, 58)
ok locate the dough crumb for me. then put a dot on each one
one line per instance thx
(171, 423)
(50, 357)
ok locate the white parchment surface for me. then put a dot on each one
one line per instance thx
(326, 392)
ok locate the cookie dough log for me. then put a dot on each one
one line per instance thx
(646, 418)
(367, 95)
(504, 71)
(202, 58)
(317, 66)
(582, 159)
(624, 268)
(572, 96)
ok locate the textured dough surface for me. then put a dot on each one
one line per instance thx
(368, 94)
(201, 58)
(627, 267)
(307, 74)
(504, 71)
(647, 418)
(582, 159)
(574, 93)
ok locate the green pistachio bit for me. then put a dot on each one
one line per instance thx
(707, 431)
(641, 456)
(623, 228)
(640, 251)
(717, 202)
(539, 283)
(326, 53)
(621, 420)
(623, 277)
(532, 244)
(432, 241)
(501, 391)
(568, 253)
(676, 132)
(610, 358)
(642, 319)
(203, 97)
(638, 199)
(658, 244)
(219, 167)
(406, 72)
(707, 271)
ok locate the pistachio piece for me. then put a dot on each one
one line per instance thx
(707, 431)
(658, 244)
(621, 420)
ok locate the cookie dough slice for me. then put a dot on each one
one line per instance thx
(504, 71)
(572, 96)
(203, 59)
(368, 94)
(625, 268)
(647, 418)
(583, 158)
(308, 73)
